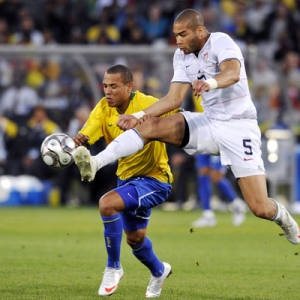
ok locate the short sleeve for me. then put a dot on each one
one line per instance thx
(179, 69)
(225, 48)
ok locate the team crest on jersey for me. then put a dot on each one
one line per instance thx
(205, 56)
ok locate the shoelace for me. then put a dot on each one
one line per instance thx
(287, 227)
(288, 222)
(154, 285)
(108, 277)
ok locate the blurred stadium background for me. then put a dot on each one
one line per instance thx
(54, 53)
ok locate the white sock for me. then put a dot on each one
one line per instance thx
(126, 144)
(281, 215)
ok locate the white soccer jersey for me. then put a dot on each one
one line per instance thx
(233, 102)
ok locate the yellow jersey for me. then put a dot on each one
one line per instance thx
(152, 160)
(198, 104)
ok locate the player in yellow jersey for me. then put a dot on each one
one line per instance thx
(144, 181)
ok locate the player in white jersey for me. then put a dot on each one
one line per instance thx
(213, 65)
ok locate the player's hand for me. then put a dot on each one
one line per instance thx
(81, 140)
(126, 122)
(200, 87)
(143, 119)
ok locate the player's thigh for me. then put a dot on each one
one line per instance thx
(140, 195)
(111, 203)
(132, 222)
(169, 129)
(201, 140)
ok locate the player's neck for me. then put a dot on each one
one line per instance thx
(122, 109)
(202, 43)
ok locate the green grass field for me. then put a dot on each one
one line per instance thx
(58, 253)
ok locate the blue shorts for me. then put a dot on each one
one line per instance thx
(210, 161)
(140, 194)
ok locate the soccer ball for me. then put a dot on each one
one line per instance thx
(57, 151)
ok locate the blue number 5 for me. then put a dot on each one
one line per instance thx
(246, 145)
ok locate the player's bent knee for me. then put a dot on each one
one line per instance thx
(260, 212)
(106, 208)
(149, 128)
(134, 240)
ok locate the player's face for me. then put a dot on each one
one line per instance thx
(188, 40)
(116, 92)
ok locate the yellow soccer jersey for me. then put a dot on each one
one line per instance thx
(152, 160)
(197, 104)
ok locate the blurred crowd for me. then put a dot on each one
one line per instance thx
(52, 94)
(118, 22)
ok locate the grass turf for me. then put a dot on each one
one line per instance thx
(58, 253)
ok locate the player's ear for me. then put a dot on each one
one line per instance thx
(129, 86)
(200, 31)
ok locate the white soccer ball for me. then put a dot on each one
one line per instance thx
(57, 150)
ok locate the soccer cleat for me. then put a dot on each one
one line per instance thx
(86, 163)
(110, 281)
(155, 285)
(239, 209)
(288, 224)
(207, 220)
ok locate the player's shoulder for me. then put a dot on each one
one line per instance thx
(216, 36)
(141, 97)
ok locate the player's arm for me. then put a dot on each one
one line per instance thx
(171, 101)
(92, 129)
(81, 140)
(229, 75)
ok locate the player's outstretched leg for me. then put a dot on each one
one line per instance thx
(86, 163)
(287, 223)
(155, 285)
(110, 281)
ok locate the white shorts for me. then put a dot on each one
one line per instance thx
(237, 141)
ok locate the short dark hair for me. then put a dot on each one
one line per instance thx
(192, 18)
(124, 71)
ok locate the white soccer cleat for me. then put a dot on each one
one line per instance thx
(110, 281)
(208, 219)
(289, 226)
(86, 163)
(155, 285)
(239, 209)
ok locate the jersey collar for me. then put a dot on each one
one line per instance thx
(132, 95)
